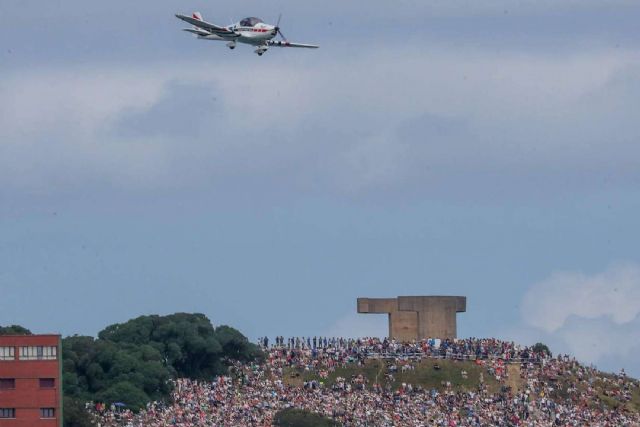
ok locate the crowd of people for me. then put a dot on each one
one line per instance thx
(338, 350)
(553, 391)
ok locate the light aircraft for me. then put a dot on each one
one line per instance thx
(252, 31)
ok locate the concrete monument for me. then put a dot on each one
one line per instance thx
(402, 324)
(417, 317)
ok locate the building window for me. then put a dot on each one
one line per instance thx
(47, 382)
(7, 383)
(39, 353)
(7, 412)
(47, 413)
(7, 353)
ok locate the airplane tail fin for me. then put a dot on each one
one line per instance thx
(197, 32)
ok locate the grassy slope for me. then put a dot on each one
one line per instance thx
(568, 379)
(426, 376)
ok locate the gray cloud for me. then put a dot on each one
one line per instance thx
(593, 317)
(184, 111)
(404, 122)
(614, 293)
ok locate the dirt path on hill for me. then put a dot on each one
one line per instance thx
(514, 381)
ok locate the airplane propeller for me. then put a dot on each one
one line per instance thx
(277, 28)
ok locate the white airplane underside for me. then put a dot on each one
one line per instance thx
(251, 31)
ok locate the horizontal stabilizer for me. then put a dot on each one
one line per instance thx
(197, 32)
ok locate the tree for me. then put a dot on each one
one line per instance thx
(541, 348)
(75, 414)
(124, 392)
(14, 330)
(188, 343)
(133, 362)
(235, 345)
(93, 369)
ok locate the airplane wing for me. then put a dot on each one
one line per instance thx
(279, 43)
(211, 28)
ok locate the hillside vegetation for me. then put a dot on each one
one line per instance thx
(132, 362)
(428, 374)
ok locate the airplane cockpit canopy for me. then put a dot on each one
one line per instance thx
(250, 22)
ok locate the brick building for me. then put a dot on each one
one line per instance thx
(30, 381)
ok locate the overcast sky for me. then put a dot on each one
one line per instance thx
(487, 149)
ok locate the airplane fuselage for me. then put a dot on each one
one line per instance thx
(255, 36)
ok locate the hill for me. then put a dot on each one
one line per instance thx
(199, 375)
(362, 382)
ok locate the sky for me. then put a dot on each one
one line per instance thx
(487, 149)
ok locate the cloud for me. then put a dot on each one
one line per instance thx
(166, 117)
(387, 120)
(614, 293)
(595, 318)
(598, 339)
